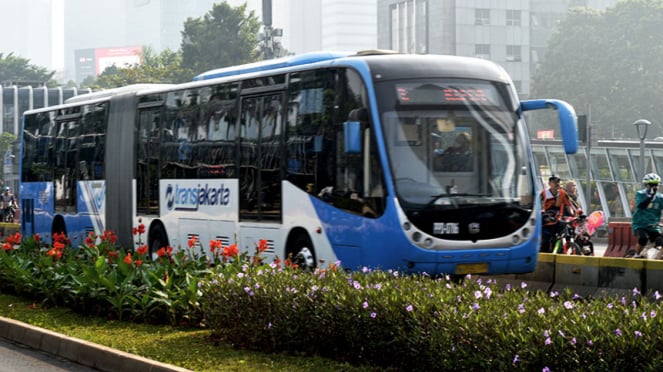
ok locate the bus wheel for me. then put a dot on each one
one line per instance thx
(300, 251)
(58, 227)
(158, 239)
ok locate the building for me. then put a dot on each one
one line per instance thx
(513, 33)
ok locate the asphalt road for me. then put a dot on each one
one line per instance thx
(18, 358)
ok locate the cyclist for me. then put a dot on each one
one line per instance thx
(647, 214)
(554, 202)
(8, 204)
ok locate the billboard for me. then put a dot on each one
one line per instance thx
(120, 57)
(93, 61)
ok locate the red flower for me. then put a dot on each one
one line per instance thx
(58, 245)
(161, 252)
(37, 238)
(142, 250)
(230, 251)
(7, 247)
(214, 245)
(114, 254)
(138, 262)
(127, 259)
(262, 245)
(89, 242)
(192, 241)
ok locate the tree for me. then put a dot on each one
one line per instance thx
(18, 69)
(225, 36)
(610, 60)
(164, 67)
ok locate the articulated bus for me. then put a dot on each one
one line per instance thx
(416, 163)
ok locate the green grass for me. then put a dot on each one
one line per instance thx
(185, 347)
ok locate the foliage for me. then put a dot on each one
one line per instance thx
(6, 141)
(420, 323)
(17, 69)
(377, 318)
(225, 36)
(164, 68)
(609, 60)
(186, 347)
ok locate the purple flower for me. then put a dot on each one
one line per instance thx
(638, 334)
(541, 311)
(610, 305)
(618, 332)
(636, 292)
(521, 308)
(488, 292)
(657, 295)
(475, 306)
(554, 294)
(561, 333)
(574, 341)
(364, 305)
(516, 359)
(548, 341)
(373, 315)
(652, 314)
(409, 308)
(568, 305)
(356, 284)
(545, 369)
(523, 285)
(477, 294)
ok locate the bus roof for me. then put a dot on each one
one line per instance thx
(115, 91)
(297, 60)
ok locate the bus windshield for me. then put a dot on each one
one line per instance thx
(455, 144)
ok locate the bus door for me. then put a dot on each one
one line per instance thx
(261, 123)
(148, 142)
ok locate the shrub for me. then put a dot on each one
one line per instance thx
(369, 317)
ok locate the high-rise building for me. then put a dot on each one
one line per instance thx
(513, 33)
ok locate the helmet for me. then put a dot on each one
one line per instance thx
(6, 188)
(651, 179)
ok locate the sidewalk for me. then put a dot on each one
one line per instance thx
(79, 351)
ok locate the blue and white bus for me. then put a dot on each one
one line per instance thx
(418, 163)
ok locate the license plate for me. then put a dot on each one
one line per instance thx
(472, 268)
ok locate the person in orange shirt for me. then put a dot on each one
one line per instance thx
(554, 202)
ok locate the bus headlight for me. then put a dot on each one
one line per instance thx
(416, 236)
(515, 239)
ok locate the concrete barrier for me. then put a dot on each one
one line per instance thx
(580, 274)
(620, 239)
(543, 277)
(619, 276)
(653, 278)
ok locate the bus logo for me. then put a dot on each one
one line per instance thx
(448, 228)
(187, 198)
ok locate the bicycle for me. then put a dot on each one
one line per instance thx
(564, 241)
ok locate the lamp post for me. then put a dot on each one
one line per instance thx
(641, 126)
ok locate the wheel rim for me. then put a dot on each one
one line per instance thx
(304, 259)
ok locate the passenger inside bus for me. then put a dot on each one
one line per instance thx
(458, 156)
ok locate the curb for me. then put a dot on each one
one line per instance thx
(79, 351)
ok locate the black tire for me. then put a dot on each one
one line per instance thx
(300, 250)
(573, 249)
(157, 239)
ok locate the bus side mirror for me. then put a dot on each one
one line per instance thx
(352, 137)
(568, 124)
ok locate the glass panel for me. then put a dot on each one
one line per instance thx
(600, 167)
(658, 162)
(578, 164)
(541, 164)
(621, 168)
(558, 162)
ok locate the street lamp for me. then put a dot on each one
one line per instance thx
(642, 125)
